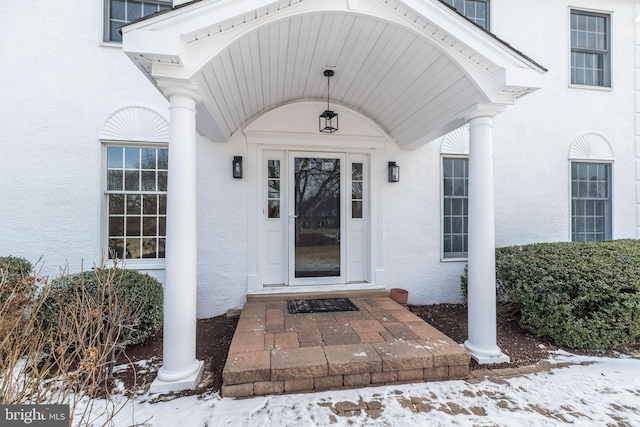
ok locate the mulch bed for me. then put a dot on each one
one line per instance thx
(213, 338)
(451, 319)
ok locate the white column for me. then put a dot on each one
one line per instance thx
(482, 342)
(180, 369)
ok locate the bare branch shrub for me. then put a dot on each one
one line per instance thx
(61, 347)
(23, 339)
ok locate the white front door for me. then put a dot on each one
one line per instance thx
(317, 212)
(316, 218)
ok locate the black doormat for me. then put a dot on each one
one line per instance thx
(326, 305)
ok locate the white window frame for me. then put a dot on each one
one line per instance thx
(276, 199)
(608, 201)
(450, 256)
(353, 200)
(606, 52)
(132, 263)
(473, 18)
(106, 18)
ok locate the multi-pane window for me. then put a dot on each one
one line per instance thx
(120, 12)
(357, 189)
(475, 10)
(273, 189)
(590, 47)
(590, 202)
(455, 217)
(136, 201)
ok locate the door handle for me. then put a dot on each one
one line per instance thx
(293, 216)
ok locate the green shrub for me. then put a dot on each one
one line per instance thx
(14, 267)
(138, 294)
(581, 295)
(15, 273)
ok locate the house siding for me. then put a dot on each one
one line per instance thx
(60, 84)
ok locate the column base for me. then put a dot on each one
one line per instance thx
(484, 357)
(188, 383)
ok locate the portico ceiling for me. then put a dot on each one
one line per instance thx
(414, 76)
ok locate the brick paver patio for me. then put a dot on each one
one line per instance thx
(276, 352)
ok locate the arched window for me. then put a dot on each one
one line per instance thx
(591, 158)
(455, 184)
(135, 191)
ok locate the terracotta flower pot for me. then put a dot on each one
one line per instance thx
(399, 295)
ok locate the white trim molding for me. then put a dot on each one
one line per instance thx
(135, 123)
(456, 142)
(591, 146)
(297, 121)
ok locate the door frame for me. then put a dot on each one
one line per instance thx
(276, 130)
(329, 280)
(256, 170)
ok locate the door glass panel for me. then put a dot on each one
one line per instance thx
(356, 190)
(273, 190)
(317, 210)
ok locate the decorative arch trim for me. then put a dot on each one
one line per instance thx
(298, 120)
(591, 146)
(456, 142)
(135, 124)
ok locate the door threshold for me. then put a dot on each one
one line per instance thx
(311, 292)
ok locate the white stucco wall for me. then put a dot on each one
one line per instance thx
(412, 209)
(222, 227)
(60, 84)
(533, 137)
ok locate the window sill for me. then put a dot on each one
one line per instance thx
(141, 264)
(601, 88)
(111, 44)
(454, 259)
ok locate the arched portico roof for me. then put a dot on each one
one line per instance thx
(414, 66)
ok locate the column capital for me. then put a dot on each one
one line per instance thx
(172, 87)
(482, 110)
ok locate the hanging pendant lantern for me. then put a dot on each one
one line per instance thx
(328, 121)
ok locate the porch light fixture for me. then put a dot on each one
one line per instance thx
(394, 172)
(328, 122)
(237, 166)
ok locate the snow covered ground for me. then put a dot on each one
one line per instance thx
(596, 391)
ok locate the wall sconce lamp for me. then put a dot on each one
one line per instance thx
(237, 166)
(328, 121)
(394, 172)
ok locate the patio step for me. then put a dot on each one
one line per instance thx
(275, 352)
(284, 296)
